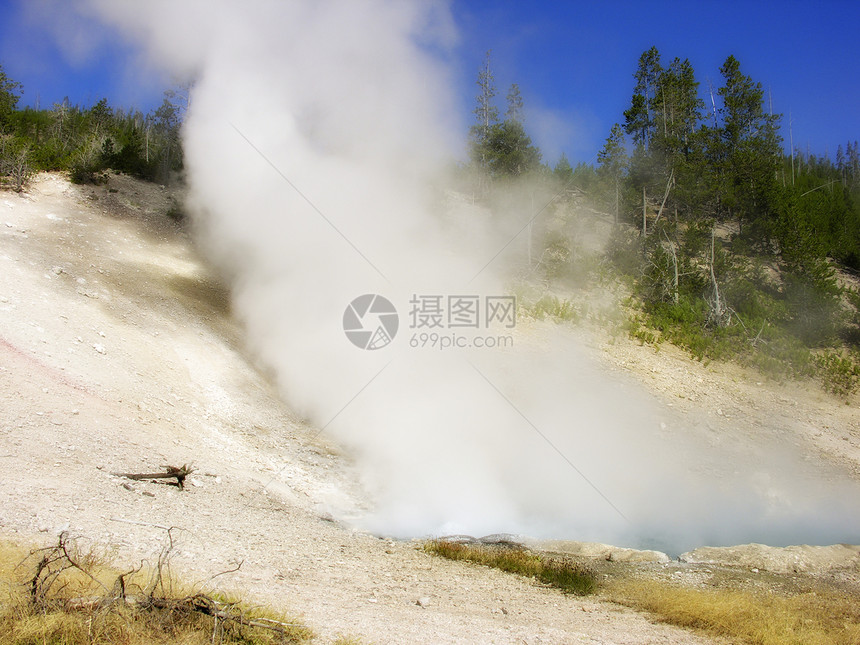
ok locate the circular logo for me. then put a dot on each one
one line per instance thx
(370, 321)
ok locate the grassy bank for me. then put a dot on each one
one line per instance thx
(750, 617)
(562, 573)
(60, 595)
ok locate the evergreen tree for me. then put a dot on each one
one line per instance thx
(613, 160)
(750, 152)
(515, 105)
(639, 119)
(563, 171)
(507, 150)
(501, 149)
(10, 93)
(677, 111)
(486, 114)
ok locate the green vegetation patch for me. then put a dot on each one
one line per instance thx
(561, 572)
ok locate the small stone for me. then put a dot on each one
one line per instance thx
(99, 348)
(423, 601)
(148, 494)
(128, 486)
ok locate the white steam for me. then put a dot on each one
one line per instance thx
(316, 141)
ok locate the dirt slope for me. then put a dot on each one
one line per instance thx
(118, 353)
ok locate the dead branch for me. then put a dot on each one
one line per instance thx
(674, 255)
(163, 557)
(665, 196)
(222, 573)
(56, 559)
(226, 612)
(53, 562)
(719, 314)
(172, 472)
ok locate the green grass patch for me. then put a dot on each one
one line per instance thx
(560, 572)
(554, 308)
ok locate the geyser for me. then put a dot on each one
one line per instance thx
(317, 139)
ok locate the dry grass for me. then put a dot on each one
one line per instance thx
(564, 573)
(749, 617)
(95, 604)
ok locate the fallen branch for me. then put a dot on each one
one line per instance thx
(225, 612)
(172, 472)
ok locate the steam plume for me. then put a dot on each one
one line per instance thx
(316, 141)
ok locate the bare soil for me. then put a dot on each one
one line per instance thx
(118, 354)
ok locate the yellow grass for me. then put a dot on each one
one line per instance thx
(749, 617)
(84, 608)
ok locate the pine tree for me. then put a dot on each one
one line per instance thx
(677, 111)
(10, 93)
(515, 105)
(508, 151)
(639, 119)
(613, 160)
(486, 113)
(750, 153)
(563, 171)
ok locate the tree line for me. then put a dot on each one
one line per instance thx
(88, 141)
(731, 245)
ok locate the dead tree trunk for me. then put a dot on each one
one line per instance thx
(644, 214)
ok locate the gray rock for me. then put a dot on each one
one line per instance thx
(801, 558)
(458, 539)
(502, 539)
(599, 551)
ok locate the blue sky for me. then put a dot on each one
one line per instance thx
(573, 61)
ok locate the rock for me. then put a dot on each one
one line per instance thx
(790, 559)
(458, 539)
(502, 539)
(599, 551)
(637, 555)
(423, 601)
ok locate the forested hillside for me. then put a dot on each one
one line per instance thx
(88, 141)
(730, 246)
